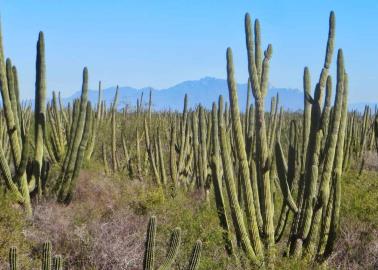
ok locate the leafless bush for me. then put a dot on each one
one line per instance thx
(356, 248)
(93, 231)
(371, 161)
(118, 243)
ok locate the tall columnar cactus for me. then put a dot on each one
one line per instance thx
(114, 139)
(96, 122)
(40, 111)
(236, 211)
(149, 149)
(216, 168)
(313, 150)
(324, 189)
(19, 187)
(161, 160)
(46, 256)
(81, 152)
(173, 154)
(242, 157)
(77, 131)
(259, 74)
(13, 96)
(258, 159)
(202, 147)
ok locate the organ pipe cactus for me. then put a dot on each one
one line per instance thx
(236, 212)
(81, 152)
(216, 166)
(173, 248)
(20, 186)
(39, 111)
(259, 74)
(95, 126)
(242, 157)
(114, 139)
(77, 131)
(309, 178)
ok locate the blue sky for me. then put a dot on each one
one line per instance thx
(161, 43)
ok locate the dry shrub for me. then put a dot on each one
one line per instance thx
(93, 231)
(371, 161)
(119, 242)
(356, 248)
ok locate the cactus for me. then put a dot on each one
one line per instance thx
(13, 258)
(217, 183)
(114, 139)
(77, 131)
(259, 81)
(80, 153)
(173, 248)
(174, 244)
(236, 212)
(46, 256)
(39, 111)
(57, 263)
(96, 122)
(242, 157)
(195, 256)
(149, 254)
(161, 160)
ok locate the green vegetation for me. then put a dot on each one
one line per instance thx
(250, 190)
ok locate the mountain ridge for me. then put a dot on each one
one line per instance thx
(203, 91)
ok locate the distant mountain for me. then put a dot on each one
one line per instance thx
(204, 91)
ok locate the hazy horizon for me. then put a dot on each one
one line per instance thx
(163, 44)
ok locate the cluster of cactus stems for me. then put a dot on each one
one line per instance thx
(173, 249)
(47, 262)
(361, 134)
(253, 162)
(60, 136)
